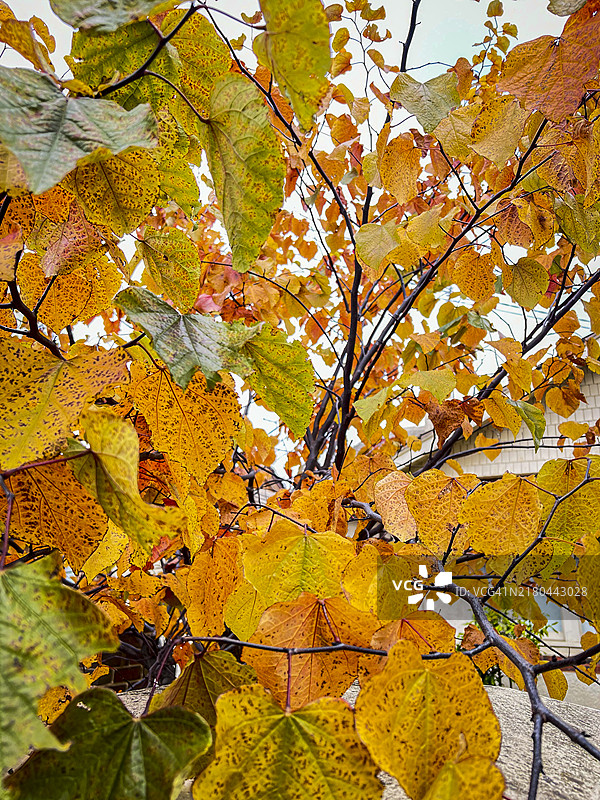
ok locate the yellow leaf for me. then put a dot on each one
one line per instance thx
(53, 703)
(415, 716)
(528, 284)
(573, 430)
(502, 414)
(20, 35)
(556, 684)
(473, 273)
(454, 132)
(291, 560)
(497, 129)
(109, 550)
(321, 505)
(468, 779)
(44, 396)
(109, 472)
(440, 382)
(78, 295)
(309, 622)
(118, 192)
(368, 582)
(213, 576)
(174, 264)
(435, 501)
(520, 372)
(257, 743)
(490, 451)
(562, 400)
(52, 508)
(243, 610)
(204, 58)
(194, 427)
(391, 504)
(502, 516)
(399, 168)
(578, 514)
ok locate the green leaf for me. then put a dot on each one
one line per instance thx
(97, 58)
(45, 631)
(104, 16)
(431, 101)
(532, 417)
(440, 382)
(283, 377)
(188, 342)
(295, 48)
(109, 471)
(173, 262)
(199, 687)
(579, 224)
(50, 133)
(275, 368)
(113, 756)
(246, 165)
(370, 405)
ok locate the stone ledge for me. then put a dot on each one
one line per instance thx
(569, 772)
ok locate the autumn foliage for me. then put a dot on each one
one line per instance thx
(236, 281)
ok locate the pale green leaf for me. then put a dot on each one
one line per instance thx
(440, 382)
(45, 631)
(104, 16)
(563, 8)
(187, 342)
(532, 417)
(579, 224)
(283, 377)
(50, 133)
(109, 471)
(295, 48)
(246, 165)
(367, 406)
(275, 368)
(431, 101)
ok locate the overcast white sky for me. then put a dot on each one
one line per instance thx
(447, 29)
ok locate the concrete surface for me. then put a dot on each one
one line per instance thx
(569, 772)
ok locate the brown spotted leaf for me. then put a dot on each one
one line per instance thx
(44, 396)
(416, 716)
(195, 427)
(310, 622)
(52, 508)
(258, 743)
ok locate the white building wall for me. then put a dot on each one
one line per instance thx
(520, 457)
